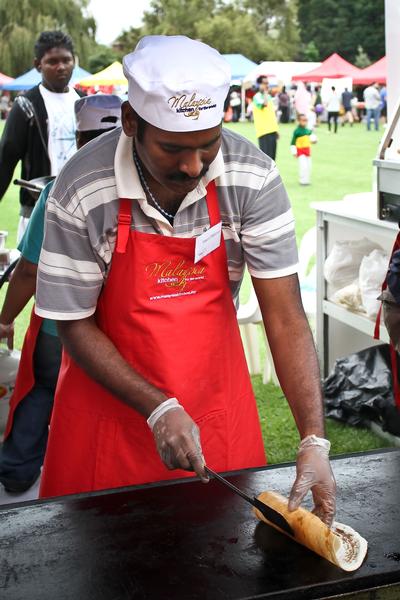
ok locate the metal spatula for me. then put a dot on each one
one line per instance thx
(269, 513)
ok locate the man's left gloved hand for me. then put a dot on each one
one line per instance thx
(314, 473)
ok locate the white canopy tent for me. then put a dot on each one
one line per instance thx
(279, 70)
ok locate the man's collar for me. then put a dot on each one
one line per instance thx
(128, 181)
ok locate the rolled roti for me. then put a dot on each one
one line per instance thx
(341, 545)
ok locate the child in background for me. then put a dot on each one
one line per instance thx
(301, 147)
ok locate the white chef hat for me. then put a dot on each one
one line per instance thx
(99, 111)
(177, 84)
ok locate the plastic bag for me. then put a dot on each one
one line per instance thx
(360, 389)
(343, 263)
(372, 274)
(349, 297)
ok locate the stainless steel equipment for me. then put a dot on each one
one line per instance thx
(388, 170)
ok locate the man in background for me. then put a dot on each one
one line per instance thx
(40, 129)
(348, 117)
(372, 99)
(265, 120)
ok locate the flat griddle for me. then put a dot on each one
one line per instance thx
(190, 541)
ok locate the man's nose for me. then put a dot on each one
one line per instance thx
(191, 163)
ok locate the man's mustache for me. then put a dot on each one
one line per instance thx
(183, 177)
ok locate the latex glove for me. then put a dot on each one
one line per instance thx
(177, 438)
(7, 332)
(314, 472)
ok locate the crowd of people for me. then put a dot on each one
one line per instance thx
(269, 105)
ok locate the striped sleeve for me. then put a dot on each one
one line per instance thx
(268, 231)
(70, 274)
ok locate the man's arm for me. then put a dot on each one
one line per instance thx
(296, 365)
(12, 146)
(20, 290)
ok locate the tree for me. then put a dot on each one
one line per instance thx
(259, 29)
(102, 58)
(22, 22)
(362, 59)
(340, 26)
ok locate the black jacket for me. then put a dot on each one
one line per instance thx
(25, 139)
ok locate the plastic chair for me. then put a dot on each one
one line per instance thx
(249, 317)
(249, 314)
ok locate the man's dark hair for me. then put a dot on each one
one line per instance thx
(52, 39)
(88, 136)
(261, 78)
(141, 126)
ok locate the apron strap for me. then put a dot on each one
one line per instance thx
(124, 224)
(395, 375)
(212, 204)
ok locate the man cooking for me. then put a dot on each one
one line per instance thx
(142, 282)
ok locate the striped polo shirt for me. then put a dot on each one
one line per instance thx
(82, 214)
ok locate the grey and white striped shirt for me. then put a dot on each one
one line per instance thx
(82, 214)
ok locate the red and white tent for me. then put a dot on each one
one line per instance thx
(377, 72)
(334, 67)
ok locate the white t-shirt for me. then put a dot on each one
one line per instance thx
(61, 126)
(372, 97)
(333, 104)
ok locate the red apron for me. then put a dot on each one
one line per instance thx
(393, 353)
(175, 323)
(25, 376)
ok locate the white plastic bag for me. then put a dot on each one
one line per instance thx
(349, 297)
(373, 270)
(342, 265)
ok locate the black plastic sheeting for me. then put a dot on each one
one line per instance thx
(360, 389)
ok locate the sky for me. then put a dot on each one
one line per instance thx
(113, 16)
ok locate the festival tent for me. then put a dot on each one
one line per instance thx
(240, 66)
(377, 72)
(110, 76)
(4, 79)
(333, 67)
(33, 77)
(281, 71)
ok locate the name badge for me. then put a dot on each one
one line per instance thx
(207, 242)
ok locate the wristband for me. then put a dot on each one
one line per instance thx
(7, 327)
(313, 440)
(161, 410)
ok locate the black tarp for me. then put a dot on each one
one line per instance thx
(360, 389)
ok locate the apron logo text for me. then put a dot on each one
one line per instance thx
(175, 275)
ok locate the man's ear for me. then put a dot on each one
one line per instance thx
(128, 119)
(37, 65)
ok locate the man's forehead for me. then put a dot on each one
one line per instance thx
(57, 51)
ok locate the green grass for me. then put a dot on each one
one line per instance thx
(342, 164)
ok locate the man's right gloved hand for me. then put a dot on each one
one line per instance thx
(177, 438)
(7, 332)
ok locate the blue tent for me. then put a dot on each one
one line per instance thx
(240, 65)
(33, 77)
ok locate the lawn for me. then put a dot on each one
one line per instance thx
(342, 164)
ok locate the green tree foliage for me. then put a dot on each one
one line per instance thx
(362, 59)
(342, 25)
(22, 21)
(259, 29)
(102, 58)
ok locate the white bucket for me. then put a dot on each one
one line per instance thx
(9, 361)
